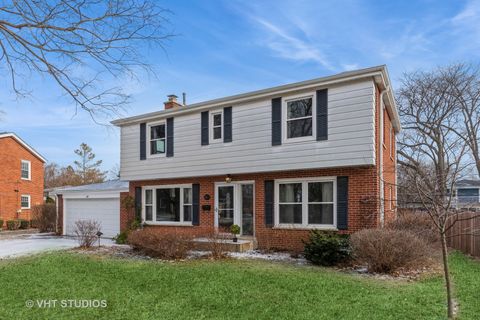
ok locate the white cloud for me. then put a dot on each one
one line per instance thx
(290, 47)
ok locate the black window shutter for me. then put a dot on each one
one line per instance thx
(276, 121)
(138, 203)
(204, 128)
(143, 141)
(227, 124)
(342, 203)
(269, 203)
(196, 204)
(322, 114)
(169, 137)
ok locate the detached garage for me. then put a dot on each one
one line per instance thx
(99, 202)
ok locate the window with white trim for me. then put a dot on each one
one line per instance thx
(168, 204)
(217, 125)
(157, 139)
(25, 201)
(25, 170)
(299, 119)
(306, 203)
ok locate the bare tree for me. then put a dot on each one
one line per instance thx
(88, 169)
(464, 80)
(431, 153)
(114, 172)
(59, 38)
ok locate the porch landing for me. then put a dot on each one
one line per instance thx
(242, 245)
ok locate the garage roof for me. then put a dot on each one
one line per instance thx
(113, 185)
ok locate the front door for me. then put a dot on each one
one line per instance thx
(234, 204)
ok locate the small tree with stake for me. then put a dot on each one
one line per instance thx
(432, 154)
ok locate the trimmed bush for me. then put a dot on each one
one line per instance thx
(1, 224)
(86, 232)
(387, 250)
(24, 224)
(45, 216)
(327, 248)
(171, 246)
(419, 224)
(13, 224)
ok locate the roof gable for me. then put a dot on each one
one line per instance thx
(23, 144)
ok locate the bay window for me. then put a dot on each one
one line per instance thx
(306, 203)
(168, 204)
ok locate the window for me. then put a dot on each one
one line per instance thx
(157, 139)
(165, 204)
(217, 126)
(25, 170)
(25, 201)
(299, 119)
(306, 203)
(148, 205)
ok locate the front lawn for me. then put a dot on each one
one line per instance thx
(220, 290)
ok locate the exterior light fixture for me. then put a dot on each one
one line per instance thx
(228, 178)
(99, 234)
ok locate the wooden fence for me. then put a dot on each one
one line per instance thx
(465, 235)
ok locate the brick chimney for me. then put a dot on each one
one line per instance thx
(172, 102)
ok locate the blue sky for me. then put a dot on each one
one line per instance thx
(229, 47)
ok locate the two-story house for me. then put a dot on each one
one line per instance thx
(278, 162)
(21, 178)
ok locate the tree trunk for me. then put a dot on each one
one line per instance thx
(447, 276)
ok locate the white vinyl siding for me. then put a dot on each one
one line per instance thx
(350, 141)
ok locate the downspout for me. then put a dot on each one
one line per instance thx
(382, 187)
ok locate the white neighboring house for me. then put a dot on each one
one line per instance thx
(99, 202)
(467, 194)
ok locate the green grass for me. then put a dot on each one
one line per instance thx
(220, 290)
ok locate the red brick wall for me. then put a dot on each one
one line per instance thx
(126, 215)
(11, 154)
(389, 169)
(362, 203)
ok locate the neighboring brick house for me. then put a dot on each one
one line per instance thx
(21, 179)
(318, 154)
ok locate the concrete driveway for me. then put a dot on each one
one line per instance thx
(35, 243)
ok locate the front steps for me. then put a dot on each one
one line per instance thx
(242, 245)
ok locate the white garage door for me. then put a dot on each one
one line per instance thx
(104, 211)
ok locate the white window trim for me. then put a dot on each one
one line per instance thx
(149, 139)
(154, 200)
(212, 113)
(304, 224)
(29, 169)
(29, 201)
(285, 100)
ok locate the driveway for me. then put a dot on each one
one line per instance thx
(29, 244)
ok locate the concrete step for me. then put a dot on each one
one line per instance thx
(205, 244)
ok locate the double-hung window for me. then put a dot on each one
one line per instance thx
(25, 201)
(168, 204)
(306, 203)
(157, 139)
(25, 170)
(217, 125)
(299, 117)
